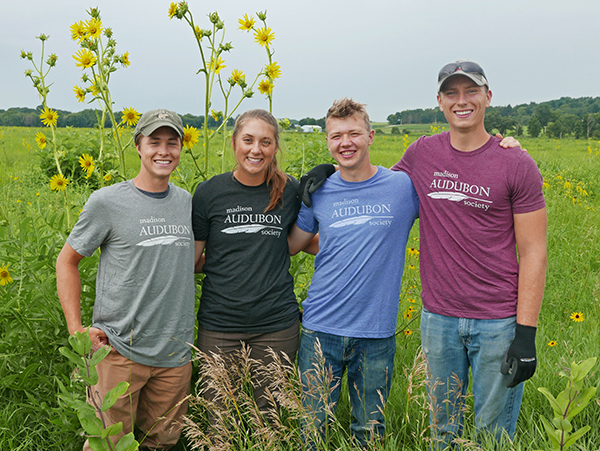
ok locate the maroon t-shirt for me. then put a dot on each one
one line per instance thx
(468, 256)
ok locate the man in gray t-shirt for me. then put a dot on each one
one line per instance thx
(144, 306)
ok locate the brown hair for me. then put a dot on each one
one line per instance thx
(346, 107)
(275, 177)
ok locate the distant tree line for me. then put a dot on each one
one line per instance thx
(556, 118)
(29, 117)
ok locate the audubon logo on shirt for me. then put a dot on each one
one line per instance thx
(455, 191)
(355, 214)
(163, 234)
(265, 223)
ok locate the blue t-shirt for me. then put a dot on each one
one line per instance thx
(363, 229)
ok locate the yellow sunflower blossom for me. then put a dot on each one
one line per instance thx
(265, 86)
(410, 300)
(107, 177)
(191, 135)
(77, 31)
(264, 36)
(577, 317)
(58, 183)
(79, 93)
(412, 252)
(407, 314)
(5, 278)
(273, 71)
(407, 332)
(125, 60)
(130, 116)
(41, 140)
(85, 58)
(567, 184)
(238, 76)
(49, 117)
(246, 23)
(172, 10)
(411, 266)
(552, 343)
(95, 86)
(93, 28)
(217, 65)
(87, 163)
(198, 32)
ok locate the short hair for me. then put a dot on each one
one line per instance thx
(346, 107)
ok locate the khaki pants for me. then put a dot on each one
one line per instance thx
(154, 393)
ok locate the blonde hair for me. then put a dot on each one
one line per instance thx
(346, 107)
(275, 177)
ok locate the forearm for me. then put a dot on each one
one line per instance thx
(68, 286)
(532, 278)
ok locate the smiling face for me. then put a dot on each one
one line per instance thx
(159, 154)
(348, 140)
(255, 146)
(463, 103)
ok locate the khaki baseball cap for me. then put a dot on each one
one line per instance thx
(154, 119)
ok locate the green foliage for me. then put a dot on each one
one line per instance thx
(569, 402)
(92, 417)
(534, 128)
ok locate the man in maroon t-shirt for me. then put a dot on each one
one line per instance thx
(478, 202)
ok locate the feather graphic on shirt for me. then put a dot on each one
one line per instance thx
(161, 240)
(352, 221)
(454, 197)
(248, 228)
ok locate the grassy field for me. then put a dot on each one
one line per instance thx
(33, 228)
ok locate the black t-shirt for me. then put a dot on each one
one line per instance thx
(248, 287)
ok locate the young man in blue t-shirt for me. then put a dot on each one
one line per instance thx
(363, 214)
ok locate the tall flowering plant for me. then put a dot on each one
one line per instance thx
(48, 116)
(212, 47)
(98, 58)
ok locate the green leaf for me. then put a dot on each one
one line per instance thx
(583, 368)
(98, 444)
(99, 355)
(575, 436)
(74, 358)
(113, 395)
(581, 401)
(553, 403)
(127, 443)
(76, 343)
(552, 434)
(90, 422)
(562, 424)
(25, 375)
(92, 379)
(113, 429)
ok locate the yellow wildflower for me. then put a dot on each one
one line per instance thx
(264, 36)
(107, 177)
(41, 140)
(85, 58)
(87, 163)
(273, 71)
(191, 135)
(93, 28)
(567, 184)
(125, 60)
(48, 117)
(246, 23)
(577, 317)
(217, 65)
(238, 76)
(79, 93)
(58, 183)
(172, 10)
(77, 31)
(407, 314)
(265, 86)
(412, 252)
(5, 278)
(552, 343)
(130, 116)
(407, 332)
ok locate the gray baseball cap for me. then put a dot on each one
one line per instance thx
(469, 69)
(154, 119)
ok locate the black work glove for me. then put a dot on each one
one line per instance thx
(519, 361)
(312, 181)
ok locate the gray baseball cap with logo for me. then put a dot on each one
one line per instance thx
(154, 119)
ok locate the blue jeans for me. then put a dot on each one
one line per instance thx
(452, 345)
(370, 366)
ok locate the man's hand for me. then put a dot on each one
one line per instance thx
(313, 180)
(520, 361)
(99, 338)
(509, 142)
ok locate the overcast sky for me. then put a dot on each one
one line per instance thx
(382, 53)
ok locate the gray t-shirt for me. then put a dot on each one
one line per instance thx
(145, 283)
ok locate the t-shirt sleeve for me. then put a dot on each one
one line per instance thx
(200, 220)
(527, 195)
(93, 227)
(406, 162)
(306, 220)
